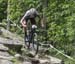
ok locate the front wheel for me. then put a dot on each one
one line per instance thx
(35, 43)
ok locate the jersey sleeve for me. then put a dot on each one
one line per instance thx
(36, 12)
(26, 14)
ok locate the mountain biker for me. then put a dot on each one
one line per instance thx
(30, 14)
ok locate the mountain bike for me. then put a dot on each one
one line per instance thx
(31, 38)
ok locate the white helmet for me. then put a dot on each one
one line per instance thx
(33, 10)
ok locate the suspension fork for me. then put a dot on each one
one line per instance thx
(31, 34)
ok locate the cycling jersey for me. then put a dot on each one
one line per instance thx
(32, 13)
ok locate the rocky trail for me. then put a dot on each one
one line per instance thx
(12, 51)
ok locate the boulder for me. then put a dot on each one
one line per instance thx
(5, 55)
(3, 48)
(55, 60)
(0, 32)
(5, 61)
(10, 41)
(9, 35)
(25, 62)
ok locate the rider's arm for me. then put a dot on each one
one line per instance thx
(23, 21)
(41, 20)
(37, 14)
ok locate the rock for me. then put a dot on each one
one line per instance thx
(35, 61)
(30, 54)
(9, 41)
(11, 44)
(55, 60)
(6, 58)
(25, 62)
(3, 48)
(0, 32)
(5, 61)
(3, 53)
(17, 55)
(44, 61)
(10, 35)
(40, 61)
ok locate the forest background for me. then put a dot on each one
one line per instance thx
(59, 16)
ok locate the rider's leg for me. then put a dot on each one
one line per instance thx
(33, 22)
(25, 30)
(26, 39)
(25, 34)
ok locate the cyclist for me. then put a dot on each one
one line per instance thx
(30, 14)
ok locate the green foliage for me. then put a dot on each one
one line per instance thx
(59, 15)
(3, 9)
(69, 62)
(60, 25)
(15, 12)
(60, 21)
